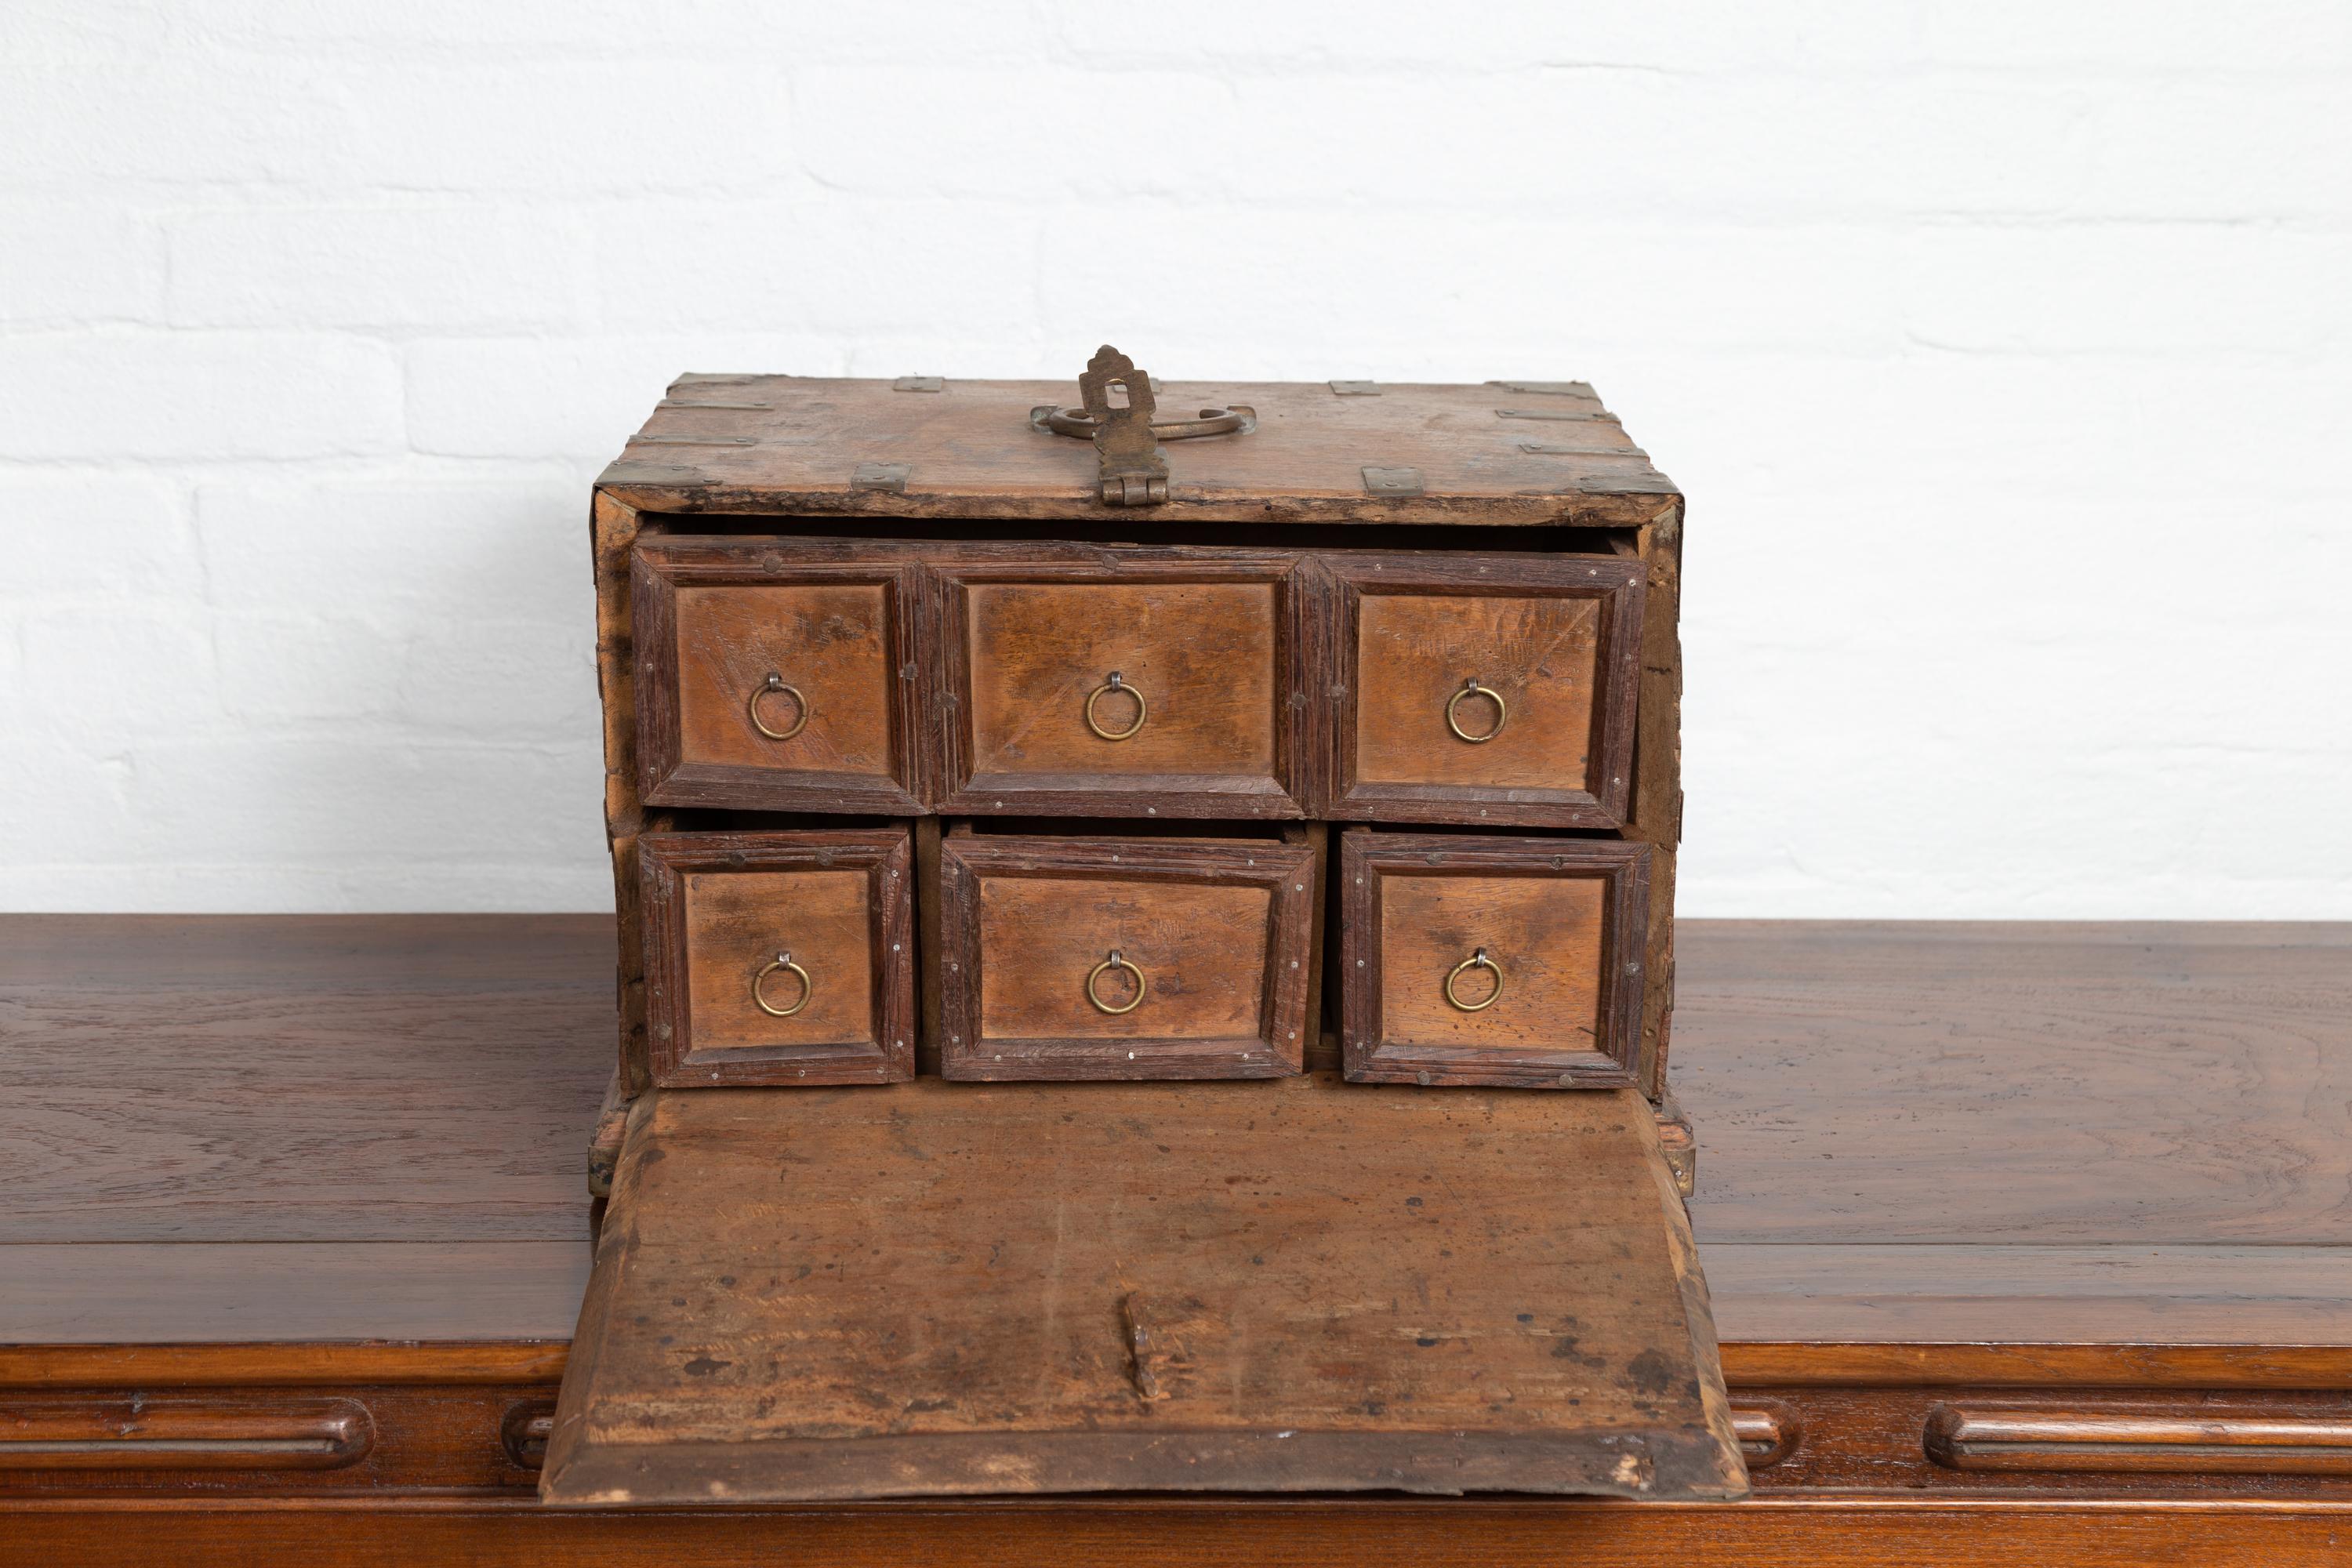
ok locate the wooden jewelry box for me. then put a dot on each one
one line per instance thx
(1092, 912)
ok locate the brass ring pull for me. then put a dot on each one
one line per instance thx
(1208, 422)
(800, 707)
(1471, 688)
(783, 960)
(1142, 709)
(1477, 959)
(1116, 961)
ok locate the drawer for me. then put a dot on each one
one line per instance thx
(1149, 684)
(776, 674)
(1482, 689)
(1504, 962)
(779, 958)
(1126, 958)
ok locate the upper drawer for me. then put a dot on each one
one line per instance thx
(1482, 688)
(1126, 958)
(779, 958)
(1095, 682)
(776, 674)
(1513, 962)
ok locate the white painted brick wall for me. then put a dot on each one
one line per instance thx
(2004, 347)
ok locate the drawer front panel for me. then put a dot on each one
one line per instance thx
(811, 664)
(1502, 962)
(1484, 689)
(1124, 958)
(1109, 686)
(737, 922)
(779, 958)
(1543, 936)
(776, 675)
(1193, 959)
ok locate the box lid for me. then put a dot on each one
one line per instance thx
(1507, 452)
(933, 1288)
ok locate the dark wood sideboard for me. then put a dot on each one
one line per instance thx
(2027, 1242)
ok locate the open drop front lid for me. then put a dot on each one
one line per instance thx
(934, 1289)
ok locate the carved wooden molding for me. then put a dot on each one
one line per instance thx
(130, 1432)
(1963, 1438)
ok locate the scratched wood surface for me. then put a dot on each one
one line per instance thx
(939, 1287)
(1537, 452)
(1205, 945)
(1200, 655)
(828, 642)
(738, 922)
(1219, 933)
(708, 627)
(722, 908)
(1529, 723)
(1554, 645)
(1560, 922)
(1207, 640)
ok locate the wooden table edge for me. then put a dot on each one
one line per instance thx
(1746, 1364)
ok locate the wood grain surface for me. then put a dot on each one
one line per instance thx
(712, 620)
(720, 908)
(272, 1079)
(738, 922)
(827, 641)
(1202, 654)
(1417, 654)
(1208, 639)
(1179, 1533)
(1875, 1168)
(972, 452)
(1300, 1285)
(1220, 931)
(1560, 919)
(2149, 1085)
(1199, 953)
(1556, 638)
(1544, 937)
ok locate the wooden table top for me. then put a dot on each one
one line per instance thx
(228, 1128)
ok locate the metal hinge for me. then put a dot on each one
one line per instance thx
(1393, 481)
(1567, 414)
(1134, 470)
(1554, 449)
(1549, 388)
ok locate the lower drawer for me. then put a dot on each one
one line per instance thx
(1513, 962)
(779, 958)
(1126, 958)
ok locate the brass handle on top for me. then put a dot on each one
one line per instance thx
(1477, 959)
(1116, 961)
(1142, 709)
(1470, 688)
(1208, 422)
(783, 960)
(776, 684)
(1117, 402)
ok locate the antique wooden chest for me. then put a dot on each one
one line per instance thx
(1097, 883)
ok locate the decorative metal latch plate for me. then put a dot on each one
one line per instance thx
(1133, 469)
